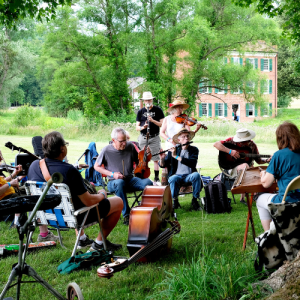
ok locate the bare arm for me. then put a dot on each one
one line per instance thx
(222, 148)
(266, 179)
(90, 199)
(157, 123)
(101, 170)
(138, 126)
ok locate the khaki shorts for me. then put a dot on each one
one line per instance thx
(153, 143)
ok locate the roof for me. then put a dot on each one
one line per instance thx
(135, 82)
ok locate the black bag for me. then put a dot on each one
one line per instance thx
(37, 146)
(216, 200)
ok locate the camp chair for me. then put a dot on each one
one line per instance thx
(64, 215)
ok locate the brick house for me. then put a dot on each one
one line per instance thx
(264, 60)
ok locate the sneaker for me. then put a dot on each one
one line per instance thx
(86, 243)
(126, 220)
(50, 237)
(176, 204)
(157, 181)
(196, 206)
(243, 202)
(110, 246)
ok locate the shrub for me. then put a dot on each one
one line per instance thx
(284, 101)
(26, 115)
(75, 114)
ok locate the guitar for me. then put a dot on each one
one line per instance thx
(228, 162)
(20, 149)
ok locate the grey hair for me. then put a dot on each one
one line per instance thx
(116, 131)
(172, 110)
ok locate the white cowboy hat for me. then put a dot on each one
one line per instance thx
(180, 131)
(177, 103)
(147, 96)
(243, 135)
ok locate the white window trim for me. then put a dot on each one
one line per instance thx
(253, 64)
(236, 60)
(253, 116)
(267, 89)
(207, 88)
(223, 110)
(268, 70)
(207, 109)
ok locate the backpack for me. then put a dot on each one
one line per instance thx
(216, 200)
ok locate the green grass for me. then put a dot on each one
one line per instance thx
(214, 241)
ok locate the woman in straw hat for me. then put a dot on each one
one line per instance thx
(170, 127)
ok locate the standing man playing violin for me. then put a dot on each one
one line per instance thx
(181, 163)
(243, 138)
(154, 121)
(116, 162)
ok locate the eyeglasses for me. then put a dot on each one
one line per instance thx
(66, 144)
(124, 141)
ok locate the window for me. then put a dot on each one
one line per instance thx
(205, 87)
(204, 90)
(266, 86)
(250, 110)
(220, 110)
(204, 109)
(237, 60)
(266, 65)
(222, 90)
(250, 87)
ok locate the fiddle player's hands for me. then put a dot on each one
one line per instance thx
(198, 126)
(235, 154)
(14, 183)
(262, 173)
(118, 175)
(103, 192)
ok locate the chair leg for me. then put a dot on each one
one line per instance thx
(136, 199)
(60, 238)
(233, 198)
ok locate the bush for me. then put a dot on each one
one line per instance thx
(25, 115)
(284, 101)
(75, 114)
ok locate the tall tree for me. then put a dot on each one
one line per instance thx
(218, 28)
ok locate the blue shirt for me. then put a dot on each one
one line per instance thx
(285, 166)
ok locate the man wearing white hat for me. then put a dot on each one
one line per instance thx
(243, 138)
(154, 120)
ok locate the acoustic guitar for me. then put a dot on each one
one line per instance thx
(228, 162)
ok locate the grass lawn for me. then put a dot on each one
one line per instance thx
(222, 234)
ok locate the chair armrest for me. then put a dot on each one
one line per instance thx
(84, 209)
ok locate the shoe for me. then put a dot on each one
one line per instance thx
(243, 202)
(110, 246)
(157, 181)
(126, 220)
(196, 206)
(50, 237)
(176, 204)
(86, 243)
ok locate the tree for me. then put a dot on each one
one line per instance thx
(15, 60)
(13, 11)
(219, 27)
(290, 9)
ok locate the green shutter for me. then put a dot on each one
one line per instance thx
(225, 60)
(270, 64)
(225, 89)
(256, 63)
(216, 110)
(270, 86)
(247, 61)
(225, 109)
(210, 89)
(270, 109)
(216, 91)
(209, 109)
(247, 109)
(255, 111)
(241, 61)
(232, 60)
(200, 110)
(262, 64)
(262, 83)
(241, 90)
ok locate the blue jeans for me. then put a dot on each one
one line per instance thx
(176, 181)
(122, 186)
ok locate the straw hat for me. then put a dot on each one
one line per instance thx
(147, 96)
(177, 103)
(180, 131)
(243, 135)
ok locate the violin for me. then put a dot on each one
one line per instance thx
(143, 170)
(190, 121)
